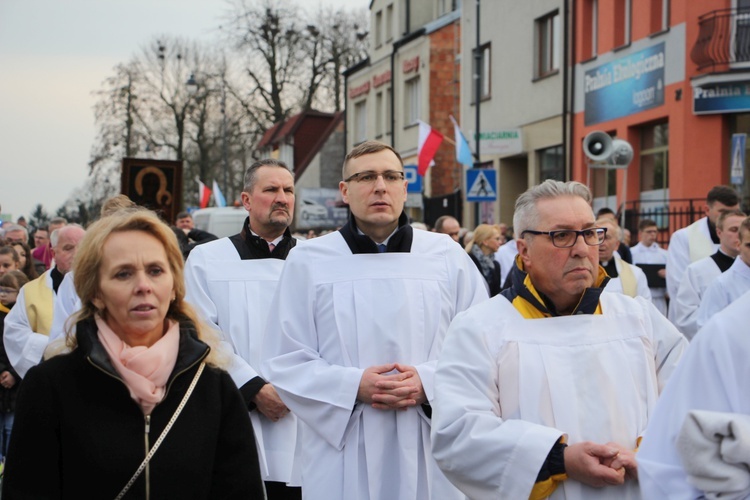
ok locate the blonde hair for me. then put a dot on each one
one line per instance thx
(482, 233)
(88, 262)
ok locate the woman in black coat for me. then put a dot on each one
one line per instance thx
(87, 420)
(485, 242)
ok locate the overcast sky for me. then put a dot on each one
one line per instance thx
(53, 54)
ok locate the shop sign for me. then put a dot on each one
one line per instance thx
(380, 79)
(358, 91)
(731, 97)
(625, 86)
(499, 142)
(411, 64)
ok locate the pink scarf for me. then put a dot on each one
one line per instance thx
(145, 370)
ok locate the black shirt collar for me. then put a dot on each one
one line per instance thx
(722, 260)
(251, 246)
(400, 241)
(57, 278)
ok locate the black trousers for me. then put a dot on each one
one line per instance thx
(280, 491)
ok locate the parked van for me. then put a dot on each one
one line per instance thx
(220, 221)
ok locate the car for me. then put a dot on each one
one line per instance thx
(312, 211)
(220, 221)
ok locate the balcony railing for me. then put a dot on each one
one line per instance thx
(723, 39)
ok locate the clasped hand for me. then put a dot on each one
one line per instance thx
(391, 387)
(600, 465)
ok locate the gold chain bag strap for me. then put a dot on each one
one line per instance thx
(163, 433)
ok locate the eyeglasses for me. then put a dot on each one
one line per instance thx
(369, 176)
(566, 238)
(7, 291)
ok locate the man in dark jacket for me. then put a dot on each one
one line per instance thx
(231, 282)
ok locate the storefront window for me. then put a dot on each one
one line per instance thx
(551, 164)
(654, 159)
(741, 125)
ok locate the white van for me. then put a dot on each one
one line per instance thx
(220, 221)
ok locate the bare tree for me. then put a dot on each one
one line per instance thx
(343, 42)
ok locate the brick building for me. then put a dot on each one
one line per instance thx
(411, 74)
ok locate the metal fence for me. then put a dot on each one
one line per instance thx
(669, 215)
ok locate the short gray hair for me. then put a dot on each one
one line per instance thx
(16, 227)
(526, 215)
(55, 236)
(252, 169)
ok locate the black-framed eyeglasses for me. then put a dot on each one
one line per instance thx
(566, 238)
(370, 176)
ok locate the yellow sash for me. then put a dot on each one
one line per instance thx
(40, 303)
(627, 278)
(698, 244)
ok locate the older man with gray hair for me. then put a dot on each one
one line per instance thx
(16, 233)
(29, 322)
(546, 390)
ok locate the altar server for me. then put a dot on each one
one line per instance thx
(361, 315)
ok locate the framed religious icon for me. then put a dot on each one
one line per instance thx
(154, 184)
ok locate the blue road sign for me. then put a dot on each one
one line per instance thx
(413, 178)
(481, 184)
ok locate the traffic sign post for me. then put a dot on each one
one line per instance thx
(413, 179)
(481, 184)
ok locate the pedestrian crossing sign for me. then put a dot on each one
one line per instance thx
(481, 184)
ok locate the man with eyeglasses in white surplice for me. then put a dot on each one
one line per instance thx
(545, 390)
(362, 313)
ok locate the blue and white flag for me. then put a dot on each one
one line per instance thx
(218, 196)
(463, 151)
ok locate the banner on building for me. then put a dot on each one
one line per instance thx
(625, 86)
(733, 97)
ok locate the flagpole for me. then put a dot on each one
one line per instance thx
(477, 102)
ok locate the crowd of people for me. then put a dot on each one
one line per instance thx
(383, 360)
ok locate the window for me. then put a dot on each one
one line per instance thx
(412, 104)
(379, 114)
(485, 73)
(591, 26)
(389, 23)
(445, 7)
(547, 44)
(659, 15)
(360, 122)
(655, 157)
(622, 22)
(551, 164)
(379, 28)
(388, 103)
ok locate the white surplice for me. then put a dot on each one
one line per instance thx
(683, 309)
(724, 290)
(340, 313)
(234, 296)
(506, 257)
(713, 375)
(23, 345)
(652, 255)
(66, 303)
(687, 245)
(507, 388)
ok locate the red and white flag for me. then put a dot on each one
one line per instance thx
(429, 142)
(204, 194)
